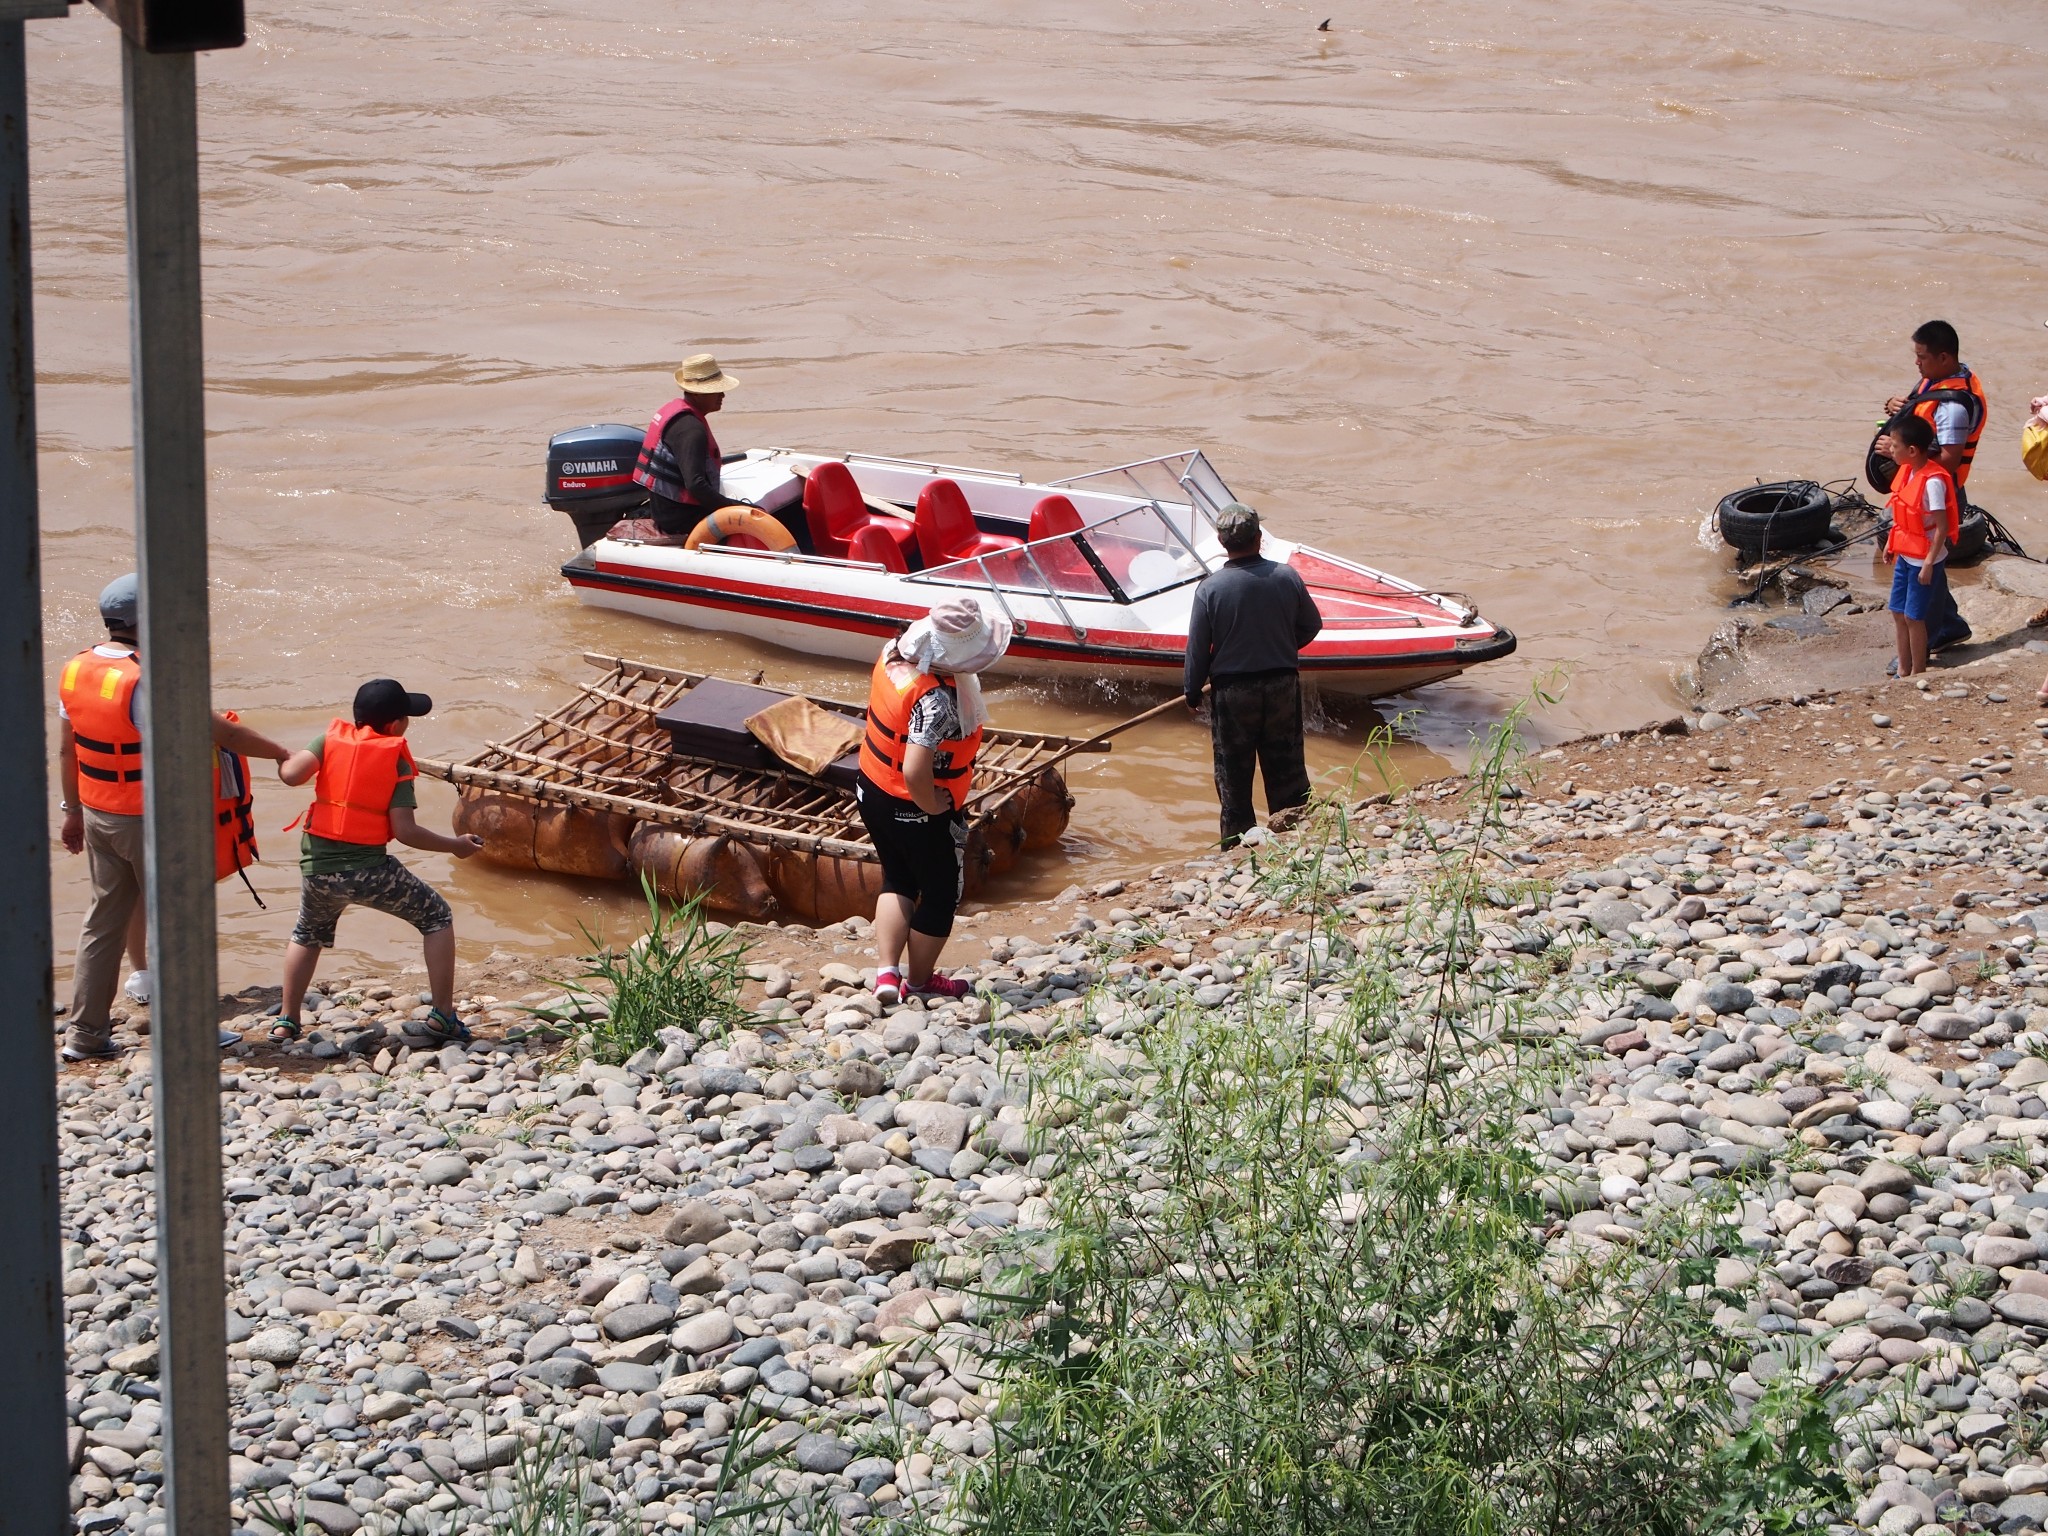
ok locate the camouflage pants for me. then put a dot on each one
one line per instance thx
(387, 887)
(1256, 721)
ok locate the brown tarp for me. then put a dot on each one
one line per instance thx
(806, 737)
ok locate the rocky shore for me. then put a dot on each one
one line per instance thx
(1800, 947)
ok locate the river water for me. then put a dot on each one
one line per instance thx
(1500, 297)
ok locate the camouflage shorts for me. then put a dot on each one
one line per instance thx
(387, 887)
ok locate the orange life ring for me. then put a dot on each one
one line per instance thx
(743, 528)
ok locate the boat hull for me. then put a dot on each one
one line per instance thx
(816, 629)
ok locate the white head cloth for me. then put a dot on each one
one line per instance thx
(957, 638)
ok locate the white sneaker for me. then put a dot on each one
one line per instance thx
(138, 986)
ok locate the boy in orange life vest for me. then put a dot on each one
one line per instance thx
(1924, 519)
(99, 753)
(363, 797)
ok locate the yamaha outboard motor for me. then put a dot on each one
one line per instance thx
(590, 477)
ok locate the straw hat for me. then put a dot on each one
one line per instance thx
(701, 375)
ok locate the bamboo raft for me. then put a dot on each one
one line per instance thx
(596, 789)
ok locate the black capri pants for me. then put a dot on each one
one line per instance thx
(924, 858)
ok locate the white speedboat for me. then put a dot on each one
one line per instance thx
(1096, 572)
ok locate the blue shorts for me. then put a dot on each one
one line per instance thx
(1909, 596)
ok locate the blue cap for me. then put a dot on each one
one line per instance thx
(120, 601)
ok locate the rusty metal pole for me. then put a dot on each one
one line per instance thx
(162, 129)
(37, 1493)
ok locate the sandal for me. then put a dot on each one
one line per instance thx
(445, 1027)
(285, 1029)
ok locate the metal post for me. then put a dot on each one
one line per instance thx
(161, 121)
(31, 1281)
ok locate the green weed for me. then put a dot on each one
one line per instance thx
(1303, 1279)
(677, 973)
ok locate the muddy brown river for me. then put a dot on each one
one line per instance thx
(1498, 297)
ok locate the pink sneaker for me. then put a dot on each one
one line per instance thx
(888, 987)
(944, 986)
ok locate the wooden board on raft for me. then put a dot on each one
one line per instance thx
(594, 790)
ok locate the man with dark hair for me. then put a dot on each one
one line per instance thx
(1245, 633)
(99, 756)
(1950, 399)
(363, 797)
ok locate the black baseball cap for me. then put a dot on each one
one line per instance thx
(384, 698)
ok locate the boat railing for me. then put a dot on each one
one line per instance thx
(886, 462)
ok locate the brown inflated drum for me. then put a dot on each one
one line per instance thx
(504, 822)
(1001, 833)
(1046, 808)
(568, 840)
(726, 873)
(821, 889)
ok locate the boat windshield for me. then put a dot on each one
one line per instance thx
(1183, 487)
(1150, 526)
(1121, 558)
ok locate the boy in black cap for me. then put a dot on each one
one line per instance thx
(362, 798)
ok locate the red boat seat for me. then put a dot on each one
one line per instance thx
(1064, 565)
(877, 546)
(945, 527)
(835, 513)
(1053, 516)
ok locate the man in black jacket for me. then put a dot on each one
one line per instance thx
(1245, 634)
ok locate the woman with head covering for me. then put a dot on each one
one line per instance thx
(924, 721)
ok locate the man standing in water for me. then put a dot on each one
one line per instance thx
(1950, 399)
(1245, 633)
(679, 458)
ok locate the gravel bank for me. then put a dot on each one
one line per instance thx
(1798, 950)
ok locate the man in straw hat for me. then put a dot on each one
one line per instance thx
(924, 721)
(1246, 629)
(679, 458)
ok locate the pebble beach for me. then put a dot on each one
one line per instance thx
(1799, 948)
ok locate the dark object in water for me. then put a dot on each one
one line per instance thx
(1787, 515)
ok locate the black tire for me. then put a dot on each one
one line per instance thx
(1775, 519)
(1973, 538)
(1880, 469)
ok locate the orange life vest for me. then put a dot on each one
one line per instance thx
(881, 747)
(98, 693)
(1909, 510)
(1959, 388)
(234, 821)
(360, 766)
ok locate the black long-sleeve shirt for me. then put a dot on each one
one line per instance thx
(1252, 616)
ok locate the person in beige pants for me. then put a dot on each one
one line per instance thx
(100, 768)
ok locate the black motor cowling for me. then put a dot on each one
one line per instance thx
(590, 477)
